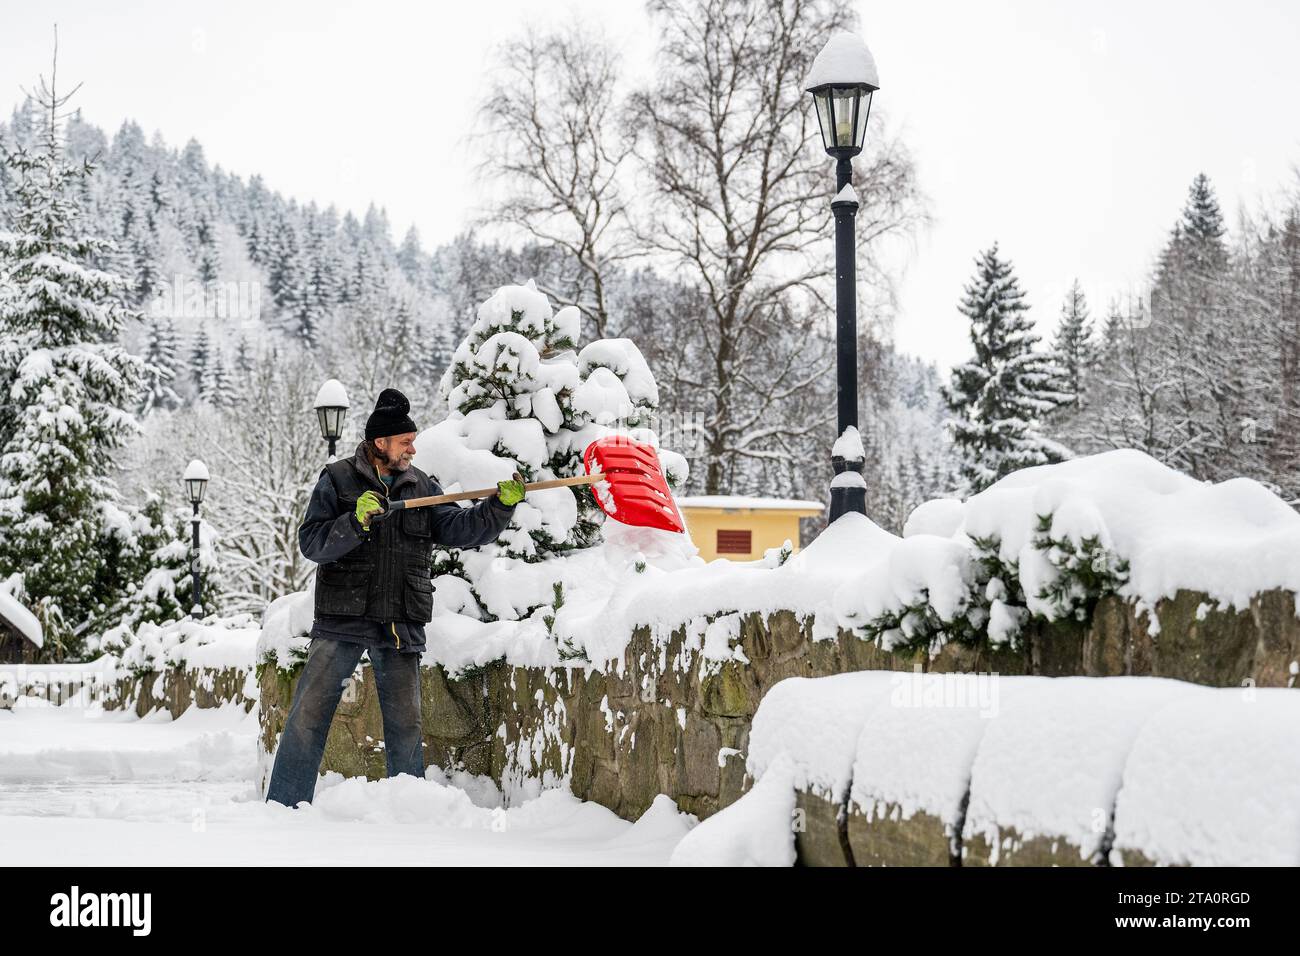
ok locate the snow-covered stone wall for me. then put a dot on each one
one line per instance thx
(1113, 557)
(630, 668)
(677, 713)
(171, 666)
(905, 770)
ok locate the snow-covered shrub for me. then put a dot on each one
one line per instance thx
(1083, 571)
(523, 398)
(217, 642)
(918, 595)
(162, 546)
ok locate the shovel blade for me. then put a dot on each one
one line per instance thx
(635, 491)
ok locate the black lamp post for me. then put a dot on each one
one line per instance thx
(196, 482)
(331, 406)
(842, 80)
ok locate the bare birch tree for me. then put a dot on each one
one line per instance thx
(740, 210)
(551, 120)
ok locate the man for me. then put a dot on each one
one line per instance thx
(374, 592)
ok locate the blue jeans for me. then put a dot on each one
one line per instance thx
(302, 744)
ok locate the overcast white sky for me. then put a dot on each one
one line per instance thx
(1067, 131)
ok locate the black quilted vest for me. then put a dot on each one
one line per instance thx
(387, 577)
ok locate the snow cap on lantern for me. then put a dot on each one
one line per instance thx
(331, 405)
(196, 480)
(842, 80)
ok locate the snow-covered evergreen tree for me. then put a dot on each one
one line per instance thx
(1201, 346)
(207, 257)
(160, 366)
(69, 385)
(1074, 342)
(244, 358)
(365, 284)
(158, 200)
(411, 258)
(999, 398)
(318, 286)
(165, 591)
(197, 214)
(523, 399)
(217, 387)
(1202, 227)
(282, 263)
(201, 359)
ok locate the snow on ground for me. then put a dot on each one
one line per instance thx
(85, 787)
(606, 596)
(757, 830)
(40, 744)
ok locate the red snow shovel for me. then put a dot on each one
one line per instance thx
(630, 488)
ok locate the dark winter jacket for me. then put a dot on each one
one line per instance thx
(375, 586)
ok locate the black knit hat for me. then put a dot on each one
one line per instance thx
(392, 416)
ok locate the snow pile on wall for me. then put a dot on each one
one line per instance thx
(1047, 542)
(1213, 779)
(815, 723)
(1052, 759)
(1175, 772)
(804, 738)
(215, 643)
(42, 684)
(1151, 529)
(286, 623)
(918, 755)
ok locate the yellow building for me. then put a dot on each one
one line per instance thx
(741, 528)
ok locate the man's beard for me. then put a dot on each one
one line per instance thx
(400, 463)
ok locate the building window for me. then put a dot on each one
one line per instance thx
(735, 542)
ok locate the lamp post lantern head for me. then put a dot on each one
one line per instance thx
(331, 406)
(196, 481)
(842, 79)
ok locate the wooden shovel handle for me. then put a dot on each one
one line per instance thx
(488, 492)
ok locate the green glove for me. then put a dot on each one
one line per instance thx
(510, 492)
(367, 505)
